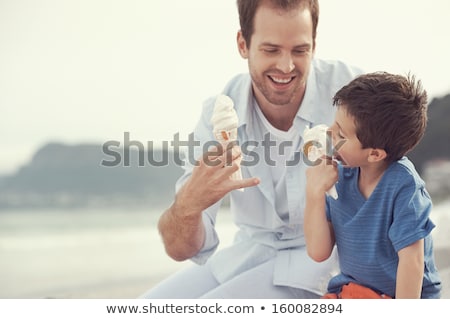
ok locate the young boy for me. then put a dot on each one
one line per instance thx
(380, 220)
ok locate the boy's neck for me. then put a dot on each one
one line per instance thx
(369, 176)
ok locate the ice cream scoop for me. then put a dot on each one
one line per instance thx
(225, 123)
(315, 146)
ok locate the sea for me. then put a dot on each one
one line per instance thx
(105, 253)
(89, 253)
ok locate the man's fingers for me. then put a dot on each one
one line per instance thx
(212, 156)
(227, 170)
(220, 156)
(244, 183)
(231, 155)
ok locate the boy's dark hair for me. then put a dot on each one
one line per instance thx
(390, 111)
(247, 10)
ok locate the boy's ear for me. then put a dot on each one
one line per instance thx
(377, 154)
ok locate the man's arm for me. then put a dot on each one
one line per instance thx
(181, 226)
(182, 231)
(410, 271)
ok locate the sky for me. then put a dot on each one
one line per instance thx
(87, 71)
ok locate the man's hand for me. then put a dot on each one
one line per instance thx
(210, 180)
(181, 226)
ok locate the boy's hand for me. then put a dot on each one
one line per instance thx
(321, 177)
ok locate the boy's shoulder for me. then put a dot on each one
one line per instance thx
(403, 172)
(399, 172)
(403, 166)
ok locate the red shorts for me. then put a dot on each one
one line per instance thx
(355, 291)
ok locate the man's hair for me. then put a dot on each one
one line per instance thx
(389, 111)
(247, 10)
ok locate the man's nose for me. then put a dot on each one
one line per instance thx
(285, 63)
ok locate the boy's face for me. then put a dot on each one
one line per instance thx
(348, 147)
(279, 55)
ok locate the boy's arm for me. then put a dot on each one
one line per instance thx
(319, 235)
(410, 271)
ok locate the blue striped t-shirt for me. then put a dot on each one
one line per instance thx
(370, 232)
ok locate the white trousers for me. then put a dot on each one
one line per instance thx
(198, 282)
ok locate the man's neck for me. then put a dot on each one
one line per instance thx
(280, 116)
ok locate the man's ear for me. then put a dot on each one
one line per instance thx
(377, 154)
(242, 45)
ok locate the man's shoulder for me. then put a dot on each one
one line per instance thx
(330, 76)
(335, 69)
(238, 84)
(238, 88)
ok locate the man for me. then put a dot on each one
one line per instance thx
(286, 91)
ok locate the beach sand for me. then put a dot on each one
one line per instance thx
(113, 256)
(443, 263)
(132, 289)
(441, 235)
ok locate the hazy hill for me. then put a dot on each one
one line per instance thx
(72, 176)
(436, 142)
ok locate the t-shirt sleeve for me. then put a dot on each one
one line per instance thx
(411, 220)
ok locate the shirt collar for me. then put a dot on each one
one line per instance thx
(307, 110)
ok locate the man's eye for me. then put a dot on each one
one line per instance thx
(271, 51)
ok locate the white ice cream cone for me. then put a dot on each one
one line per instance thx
(227, 139)
(225, 123)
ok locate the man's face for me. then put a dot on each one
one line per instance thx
(279, 55)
